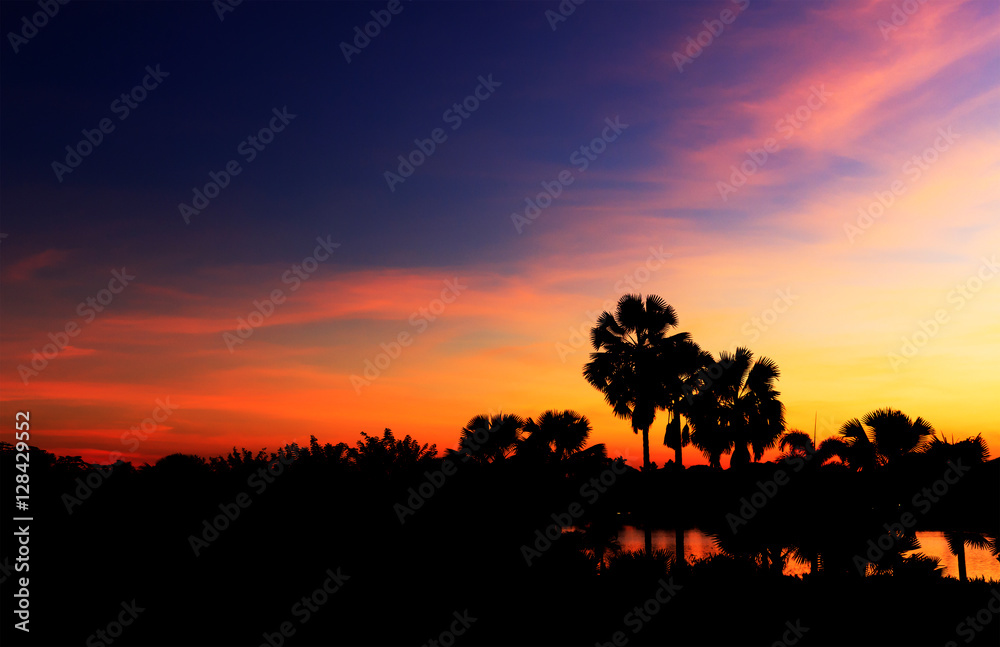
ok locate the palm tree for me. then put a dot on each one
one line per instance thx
(892, 436)
(958, 540)
(637, 365)
(696, 364)
(970, 451)
(854, 448)
(766, 546)
(798, 443)
(489, 439)
(556, 433)
(559, 439)
(738, 412)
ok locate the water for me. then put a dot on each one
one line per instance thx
(978, 562)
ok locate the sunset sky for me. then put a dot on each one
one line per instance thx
(851, 102)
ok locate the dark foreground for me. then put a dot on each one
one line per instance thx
(316, 554)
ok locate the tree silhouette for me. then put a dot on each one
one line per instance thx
(971, 451)
(639, 367)
(636, 365)
(796, 443)
(489, 438)
(739, 411)
(937, 453)
(389, 456)
(556, 433)
(891, 435)
(691, 365)
(958, 540)
(557, 440)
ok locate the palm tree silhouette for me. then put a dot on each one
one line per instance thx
(556, 433)
(489, 438)
(892, 436)
(799, 444)
(692, 366)
(970, 451)
(739, 411)
(958, 540)
(559, 439)
(639, 367)
(767, 547)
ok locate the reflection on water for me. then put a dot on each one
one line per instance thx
(978, 562)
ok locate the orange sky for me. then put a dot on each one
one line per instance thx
(508, 340)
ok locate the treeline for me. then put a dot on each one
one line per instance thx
(516, 528)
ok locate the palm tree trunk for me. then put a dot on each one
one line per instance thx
(645, 449)
(675, 423)
(679, 558)
(777, 561)
(740, 456)
(647, 477)
(962, 574)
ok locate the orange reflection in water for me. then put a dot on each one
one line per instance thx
(978, 562)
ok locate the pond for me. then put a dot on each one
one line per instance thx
(978, 562)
